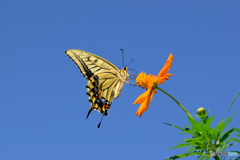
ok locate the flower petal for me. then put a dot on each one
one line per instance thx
(142, 97)
(154, 91)
(150, 80)
(161, 80)
(144, 106)
(166, 67)
(169, 74)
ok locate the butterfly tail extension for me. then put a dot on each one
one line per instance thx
(101, 120)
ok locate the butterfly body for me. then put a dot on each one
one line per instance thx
(105, 80)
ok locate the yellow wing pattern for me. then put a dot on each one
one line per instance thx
(105, 80)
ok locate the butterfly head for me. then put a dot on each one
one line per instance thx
(124, 73)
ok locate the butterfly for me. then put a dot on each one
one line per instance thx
(105, 80)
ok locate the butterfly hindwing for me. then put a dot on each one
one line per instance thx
(100, 91)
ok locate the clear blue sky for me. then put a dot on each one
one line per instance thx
(43, 104)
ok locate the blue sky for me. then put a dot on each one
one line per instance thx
(43, 104)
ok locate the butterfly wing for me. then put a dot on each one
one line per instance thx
(104, 79)
(90, 64)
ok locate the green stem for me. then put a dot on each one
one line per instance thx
(176, 102)
(233, 100)
(210, 143)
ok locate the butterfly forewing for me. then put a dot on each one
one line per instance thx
(89, 62)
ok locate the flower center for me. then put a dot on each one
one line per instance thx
(141, 80)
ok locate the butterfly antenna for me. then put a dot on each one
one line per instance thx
(129, 63)
(101, 120)
(122, 57)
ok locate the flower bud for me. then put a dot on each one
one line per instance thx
(201, 112)
(187, 129)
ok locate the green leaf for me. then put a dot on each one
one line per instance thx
(202, 157)
(217, 139)
(237, 140)
(209, 121)
(174, 126)
(190, 150)
(225, 146)
(207, 158)
(173, 157)
(179, 146)
(185, 155)
(226, 135)
(184, 131)
(238, 158)
(192, 121)
(220, 127)
(238, 130)
(229, 120)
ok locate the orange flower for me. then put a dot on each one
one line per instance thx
(150, 83)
